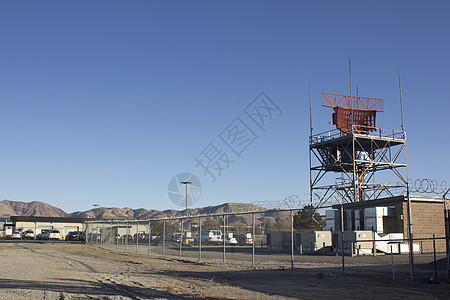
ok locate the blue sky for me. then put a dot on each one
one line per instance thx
(103, 102)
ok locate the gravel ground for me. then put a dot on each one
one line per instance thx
(75, 271)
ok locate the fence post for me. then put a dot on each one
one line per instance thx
(434, 255)
(164, 238)
(342, 239)
(410, 236)
(110, 233)
(117, 235)
(392, 264)
(224, 237)
(200, 239)
(149, 237)
(137, 236)
(447, 250)
(254, 240)
(292, 240)
(128, 235)
(374, 250)
(89, 233)
(181, 235)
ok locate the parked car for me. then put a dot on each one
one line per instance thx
(174, 236)
(231, 241)
(245, 239)
(75, 236)
(54, 235)
(43, 235)
(209, 237)
(126, 238)
(15, 236)
(28, 235)
(141, 237)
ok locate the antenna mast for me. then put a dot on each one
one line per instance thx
(310, 112)
(351, 98)
(401, 101)
(310, 137)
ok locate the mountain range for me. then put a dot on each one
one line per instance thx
(40, 209)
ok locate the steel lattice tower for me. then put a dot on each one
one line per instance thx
(357, 161)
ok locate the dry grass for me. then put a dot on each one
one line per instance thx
(171, 288)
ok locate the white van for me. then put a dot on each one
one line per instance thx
(209, 237)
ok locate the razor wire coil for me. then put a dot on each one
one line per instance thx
(426, 185)
(289, 202)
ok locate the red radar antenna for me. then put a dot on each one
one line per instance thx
(353, 110)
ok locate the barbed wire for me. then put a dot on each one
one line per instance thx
(426, 185)
(289, 202)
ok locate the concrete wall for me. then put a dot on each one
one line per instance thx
(427, 218)
(279, 241)
(312, 241)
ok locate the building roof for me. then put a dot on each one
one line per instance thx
(46, 219)
(389, 201)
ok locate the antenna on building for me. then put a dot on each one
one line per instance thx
(350, 76)
(310, 111)
(401, 101)
(310, 136)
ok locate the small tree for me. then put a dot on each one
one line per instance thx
(282, 224)
(307, 218)
(157, 227)
(269, 226)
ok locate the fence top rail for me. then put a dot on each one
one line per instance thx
(177, 217)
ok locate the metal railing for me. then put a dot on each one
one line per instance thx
(369, 131)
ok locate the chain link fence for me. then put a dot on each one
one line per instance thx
(361, 241)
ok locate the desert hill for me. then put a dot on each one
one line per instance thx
(40, 209)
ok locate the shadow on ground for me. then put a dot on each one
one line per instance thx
(314, 283)
(87, 287)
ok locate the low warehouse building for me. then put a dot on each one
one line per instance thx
(305, 241)
(390, 216)
(37, 224)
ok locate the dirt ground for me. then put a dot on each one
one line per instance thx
(75, 271)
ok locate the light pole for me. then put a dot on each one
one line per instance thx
(181, 237)
(96, 231)
(186, 183)
(447, 249)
